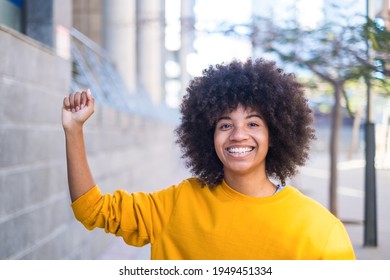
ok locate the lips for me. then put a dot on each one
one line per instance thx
(239, 150)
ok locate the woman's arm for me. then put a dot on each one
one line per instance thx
(77, 108)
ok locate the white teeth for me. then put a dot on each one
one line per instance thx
(239, 150)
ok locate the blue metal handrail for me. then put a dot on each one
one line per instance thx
(93, 69)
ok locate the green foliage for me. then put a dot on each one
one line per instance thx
(337, 52)
(379, 40)
(378, 36)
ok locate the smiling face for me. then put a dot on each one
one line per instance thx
(241, 141)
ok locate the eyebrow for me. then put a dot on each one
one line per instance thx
(247, 117)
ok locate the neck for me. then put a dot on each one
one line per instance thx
(255, 186)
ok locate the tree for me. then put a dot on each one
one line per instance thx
(378, 37)
(324, 51)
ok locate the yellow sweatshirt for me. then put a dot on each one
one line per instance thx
(188, 221)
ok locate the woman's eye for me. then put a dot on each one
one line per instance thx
(225, 126)
(253, 125)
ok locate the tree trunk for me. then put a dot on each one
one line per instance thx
(334, 140)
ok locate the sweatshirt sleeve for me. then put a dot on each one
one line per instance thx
(339, 246)
(138, 217)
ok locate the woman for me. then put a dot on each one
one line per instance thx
(245, 129)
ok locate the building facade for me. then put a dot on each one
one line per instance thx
(127, 149)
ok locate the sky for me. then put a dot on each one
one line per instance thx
(208, 49)
(309, 14)
(212, 49)
(216, 48)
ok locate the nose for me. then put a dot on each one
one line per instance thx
(238, 134)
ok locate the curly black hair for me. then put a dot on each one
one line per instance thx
(256, 84)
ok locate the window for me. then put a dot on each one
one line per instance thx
(11, 13)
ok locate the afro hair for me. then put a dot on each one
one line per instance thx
(256, 84)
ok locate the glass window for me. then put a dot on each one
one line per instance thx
(11, 13)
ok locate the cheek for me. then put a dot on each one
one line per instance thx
(262, 139)
(218, 144)
(265, 140)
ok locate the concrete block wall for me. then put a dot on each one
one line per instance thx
(125, 151)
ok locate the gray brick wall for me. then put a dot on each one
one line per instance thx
(125, 151)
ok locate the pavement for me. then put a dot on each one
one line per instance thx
(313, 181)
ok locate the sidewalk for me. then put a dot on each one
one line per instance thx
(313, 180)
(356, 231)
